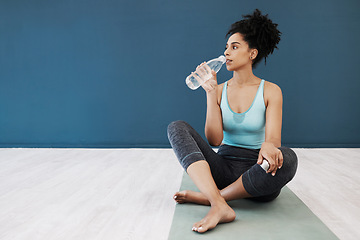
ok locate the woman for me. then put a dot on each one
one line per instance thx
(244, 117)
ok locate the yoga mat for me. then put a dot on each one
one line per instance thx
(287, 217)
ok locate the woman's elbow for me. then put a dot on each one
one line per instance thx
(214, 138)
(215, 144)
(215, 141)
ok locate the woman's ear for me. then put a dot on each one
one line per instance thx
(253, 54)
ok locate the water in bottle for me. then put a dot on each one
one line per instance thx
(196, 79)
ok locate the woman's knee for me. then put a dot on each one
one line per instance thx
(173, 126)
(290, 160)
(289, 154)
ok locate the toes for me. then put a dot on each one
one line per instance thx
(179, 197)
(197, 226)
(200, 227)
(180, 201)
(195, 229)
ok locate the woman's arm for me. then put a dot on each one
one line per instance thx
(213, 124)
(274, 115)
(269, 149)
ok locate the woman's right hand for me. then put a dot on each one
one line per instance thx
(202, 70)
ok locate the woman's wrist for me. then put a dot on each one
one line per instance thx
(267, 143)
(212, 96)
(272, 144)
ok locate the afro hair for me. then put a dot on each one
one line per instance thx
(259, 32)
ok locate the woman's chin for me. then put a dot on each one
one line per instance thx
(229, 68)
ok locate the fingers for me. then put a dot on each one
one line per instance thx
(260, 159)
(207, 68)
(207, 87)
(213, 73)
(197, 77)
(273, 155)
(203, 69)
(281, 159)
(209, 81)
(206, 77)
(273, 162)
(201, 64)
(277, 160)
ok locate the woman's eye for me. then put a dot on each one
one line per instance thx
(233, 47)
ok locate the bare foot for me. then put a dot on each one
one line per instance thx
(220, 213)
(189, 196)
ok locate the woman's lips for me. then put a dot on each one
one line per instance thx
(228, 61)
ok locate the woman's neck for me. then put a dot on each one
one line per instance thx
(243, 77)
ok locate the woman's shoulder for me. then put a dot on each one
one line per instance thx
(271, 87)
(271, 91)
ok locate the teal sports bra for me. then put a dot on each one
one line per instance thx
(245, 129)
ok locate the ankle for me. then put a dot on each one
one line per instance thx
(218, 201)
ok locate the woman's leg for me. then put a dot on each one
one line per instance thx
(202, 164)
(189, 147)
(234, 191)
(261, 185)
(220, 211)
(258, 185)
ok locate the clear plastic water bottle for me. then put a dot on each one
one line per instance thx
(214, 64)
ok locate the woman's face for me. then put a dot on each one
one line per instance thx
(237, 53)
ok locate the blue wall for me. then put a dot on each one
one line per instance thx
(107, 73)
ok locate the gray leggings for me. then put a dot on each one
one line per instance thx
(230, 162)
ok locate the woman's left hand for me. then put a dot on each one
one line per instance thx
(273, 155)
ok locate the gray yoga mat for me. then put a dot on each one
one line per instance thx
(287, 217)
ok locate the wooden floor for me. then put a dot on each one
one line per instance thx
(110, 194)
